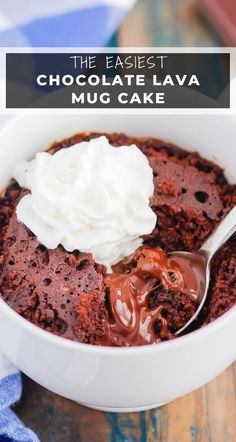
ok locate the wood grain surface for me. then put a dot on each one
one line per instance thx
(167, 23)
(206, 415)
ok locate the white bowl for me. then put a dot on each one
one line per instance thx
(119, 379)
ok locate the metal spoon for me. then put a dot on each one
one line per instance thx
(205, 254)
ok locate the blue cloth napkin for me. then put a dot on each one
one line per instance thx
(60, 22)
(48, 23)
(11, 428)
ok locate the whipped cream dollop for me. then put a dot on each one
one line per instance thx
(92, 197)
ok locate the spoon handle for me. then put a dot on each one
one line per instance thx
(223, 232)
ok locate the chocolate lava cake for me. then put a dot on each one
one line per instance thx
(66, 294)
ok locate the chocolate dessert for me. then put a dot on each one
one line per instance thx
(69, 294)
(59, 291)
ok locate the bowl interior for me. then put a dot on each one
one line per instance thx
(213, 136)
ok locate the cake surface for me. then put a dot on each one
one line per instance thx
(59, 291)
(65, 293)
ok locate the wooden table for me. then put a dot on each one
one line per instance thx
(207, 415)
(166, 23)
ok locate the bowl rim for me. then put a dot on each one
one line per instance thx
(60, 341)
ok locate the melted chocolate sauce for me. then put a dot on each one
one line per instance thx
(131, 321)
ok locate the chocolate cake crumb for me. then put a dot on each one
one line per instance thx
(64, 292)
(223, 283)
(59, 291)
